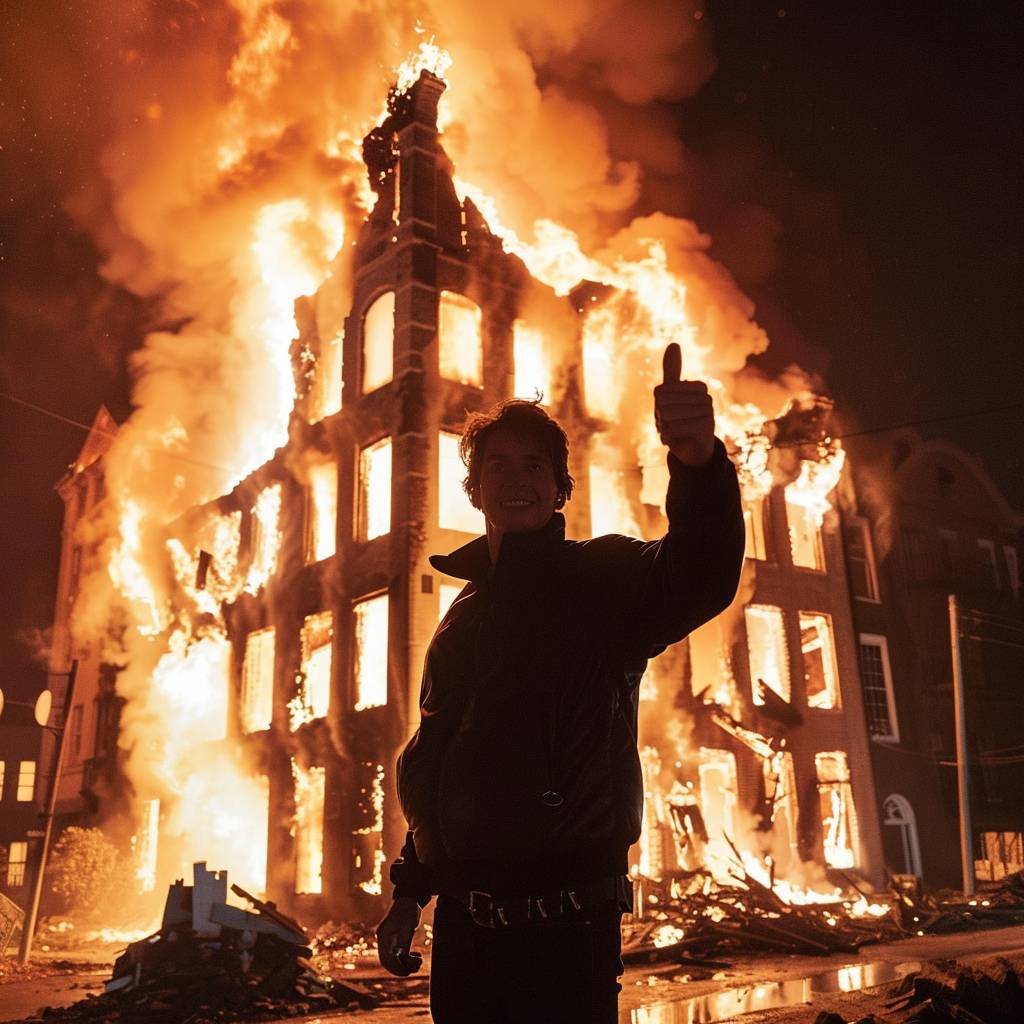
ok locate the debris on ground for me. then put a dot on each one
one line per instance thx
(211, 963)
(690, 917)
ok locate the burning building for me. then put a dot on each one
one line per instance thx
(260, 720)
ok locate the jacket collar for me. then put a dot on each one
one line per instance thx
(518, 550)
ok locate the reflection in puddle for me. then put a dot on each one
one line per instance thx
(771, 995)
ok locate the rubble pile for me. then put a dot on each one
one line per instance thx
(743, 915)
(211, 962)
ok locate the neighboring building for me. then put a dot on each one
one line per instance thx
(923, 521)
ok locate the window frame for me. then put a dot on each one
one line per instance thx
(882, 643)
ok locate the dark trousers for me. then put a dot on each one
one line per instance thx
(555, 972)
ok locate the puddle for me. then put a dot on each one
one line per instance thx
(769, 996)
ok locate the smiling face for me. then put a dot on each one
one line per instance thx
(517, 490)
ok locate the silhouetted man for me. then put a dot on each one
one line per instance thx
(522, 786)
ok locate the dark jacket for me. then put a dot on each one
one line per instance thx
(524, 771)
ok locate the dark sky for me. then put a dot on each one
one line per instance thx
(874, 148)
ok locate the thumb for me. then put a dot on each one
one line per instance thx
(672, 364)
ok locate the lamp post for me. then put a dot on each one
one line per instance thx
(41, 709)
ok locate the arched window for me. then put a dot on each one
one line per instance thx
(900, 815)
(459, 330)
(378, 342)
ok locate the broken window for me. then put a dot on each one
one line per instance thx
(26, 780)
(804, 521)
(325, 394)
(371, 652)
(308, 828)
(754, 524)
(780, 794)
(460, 339)
(821, 677)
(532, 367)
(455, 511)
(717, 773)
(766, 650)
(368, 837)
(876, 683)
(446, 597)
(313, 683)
(379, 343)
(375, 489)
(264, 538)
(17, 858)
(257, 703)
(838, 818)
(321, 512)
(860, 559)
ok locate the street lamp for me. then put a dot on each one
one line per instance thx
(41, 711)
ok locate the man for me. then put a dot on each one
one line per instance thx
(522, 785)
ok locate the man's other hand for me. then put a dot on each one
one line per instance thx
(683, 413)
(394, 938)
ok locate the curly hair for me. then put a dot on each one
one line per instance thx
(526, 420)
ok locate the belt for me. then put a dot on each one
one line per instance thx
(490, 911)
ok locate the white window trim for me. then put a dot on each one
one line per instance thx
(869, 557)
(882, 643)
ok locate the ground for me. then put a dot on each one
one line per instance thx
(649, 996)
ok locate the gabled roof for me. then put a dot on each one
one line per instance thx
(97, 444)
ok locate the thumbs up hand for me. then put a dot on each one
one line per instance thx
(683, 413)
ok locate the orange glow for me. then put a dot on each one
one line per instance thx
(308, 827)
(455, 512)
(371, 654)
(766, 650)
(838, 818)
(265, 538)
(379, 343)
(375, 490)
(460, 342)
(821, 676)
(532, 364)
(323, 512)
(257, 703)
(313, 683)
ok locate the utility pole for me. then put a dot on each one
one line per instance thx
(28, 926)
(963, 788)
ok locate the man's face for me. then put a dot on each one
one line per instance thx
(517, 489)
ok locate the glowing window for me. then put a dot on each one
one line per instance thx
(446, 597)
(766, 650)
(313, 697)
(753, 522)
(455, 512)
(17, 858)
(821, 677)
(308, 828)
(718, 801)
(379, 343)
(805, 534)
(322, 512)
(780, 793)
(532, 367)
(371, 652)
(257, 703)
(838, 818)
(375, 490)
(265, 538)
(460, 339)
(26, 781)
(601, 378)
(368, 858)
(325, 394)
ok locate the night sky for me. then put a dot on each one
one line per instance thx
(873, 150)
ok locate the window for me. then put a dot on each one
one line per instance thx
(1012, 569)
(325, 392)
(17, 858)
(371, 652)
(3, 765)
(379, 343)
(446, 597)
(321, 512)
(917, 554)
(860, 559)
(75, 733)
(876, 681)
(375, 490)
(313, 697)
(455, 512)
(899, 815)
(766, 650)
(804, 520)
(460, 339)
(754, 524)
(838, 819)
(821, 677)
(257, 704)
(264, 538)
(988, 571)
(780, 793)
(717, 773)
(532, 369)
(26, 780)
(308, 829)
(368, 858)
